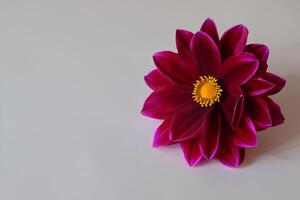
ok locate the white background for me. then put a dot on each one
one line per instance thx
(71, 88)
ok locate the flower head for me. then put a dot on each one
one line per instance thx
(213, 95)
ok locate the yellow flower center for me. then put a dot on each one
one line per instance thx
(206, 91)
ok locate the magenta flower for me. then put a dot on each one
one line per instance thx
(213, 95)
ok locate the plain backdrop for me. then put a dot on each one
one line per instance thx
(71, 89)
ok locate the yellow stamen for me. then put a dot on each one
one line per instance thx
(206, 91)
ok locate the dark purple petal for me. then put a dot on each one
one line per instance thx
(161, 137)
(170, 64)
(240, 75)
(245, 134)
(206, 53)
(258, 86)
(210, 137)
(210, 28)
(188, 123)
(233, 41)
(183, 41)
(261, 51)
(230, 155)
(275, 79)
(232, 105)
(235, 62)
(163, 103)
(259, 112)
(191, 152)
(156, 80)
(275, 112)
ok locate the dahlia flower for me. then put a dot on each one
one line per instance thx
(213, 95)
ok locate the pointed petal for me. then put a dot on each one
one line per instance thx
(191, 152)
(230, 155)
(232, 105)
(210, 137)
(241, 74)
(245, 134)
(170, 64)
(233, 41)
(206, 53)
(275, 112)
(261, 51)
(275, 79)
(188, 123)
(259, 112)
(163, 103)
(183, 41)
(258, 86)
(210, 28)
(235, 63)
(161, 136)
(156, 80)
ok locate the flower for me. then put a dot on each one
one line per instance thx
(213, 95)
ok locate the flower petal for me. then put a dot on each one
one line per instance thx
(183, 40)
(242, 74)
(233, 41)
(206, 53)
(232, 105)
(275, 112)
(210, 137)
(156, 80)
(161, 104)
(245, 134)
(258, 86)
(259, 112)
(161, 136)
(170, 64)
(188, 123)
(261, 51)
(191, 152)
(230, 155)
(210, 28)
(236, 62)
(275, 79)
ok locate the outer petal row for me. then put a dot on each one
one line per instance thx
(276, 80)
(163, 103)
(170, 64)
(261, 52)
(191, 152)
(231, 155)
(258, 86)
(233, 41)
(245, 134)
(259, 112)
(156, 80)
(183, 41)
(210, 28)
(161, 136)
